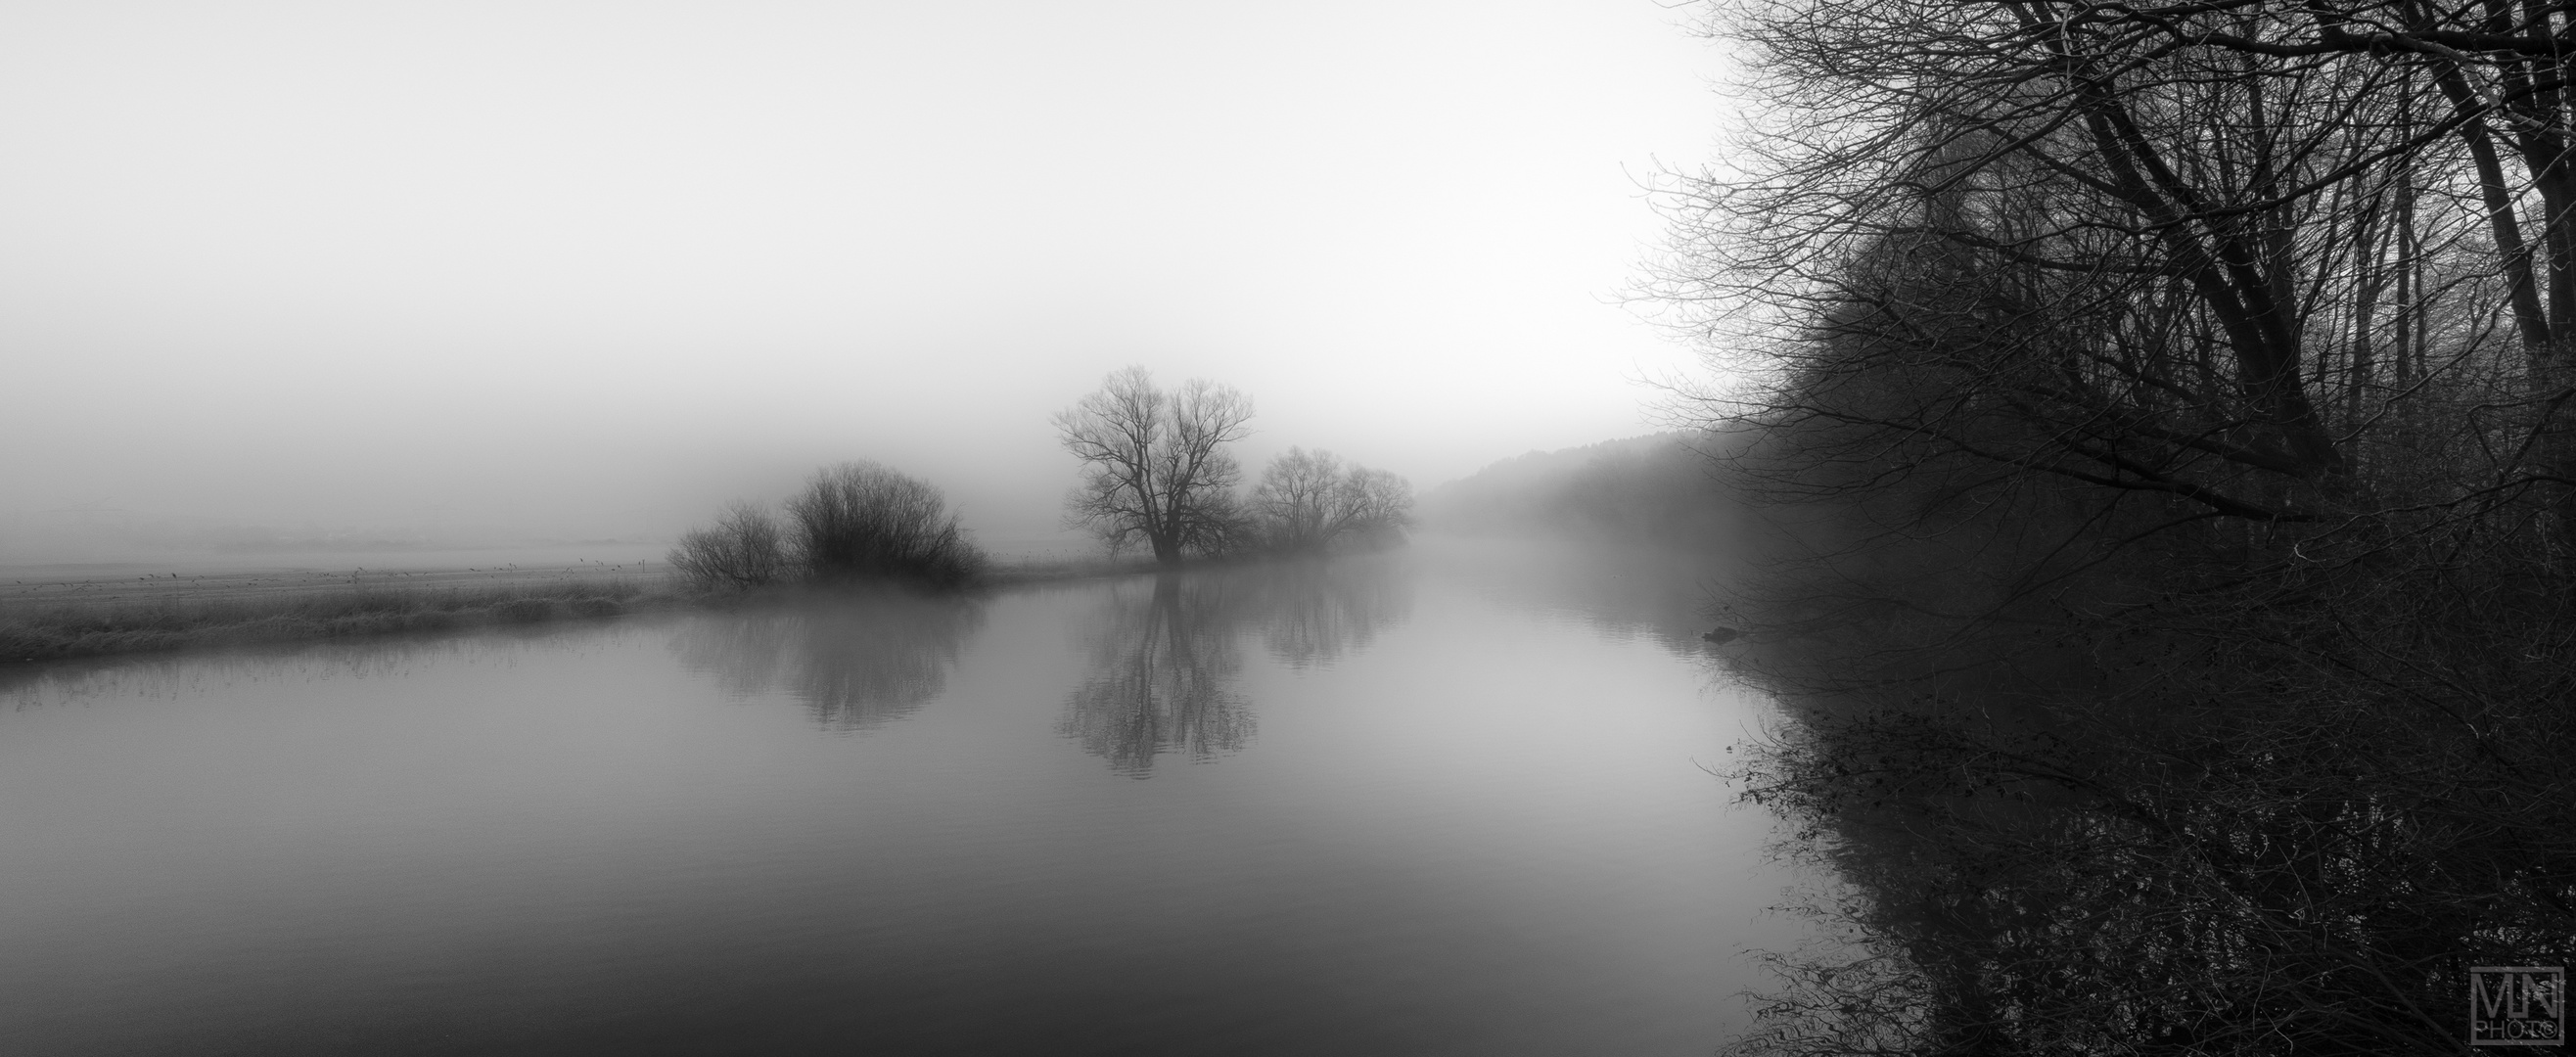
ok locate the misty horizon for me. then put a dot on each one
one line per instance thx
(498, 276)
(1779, 528)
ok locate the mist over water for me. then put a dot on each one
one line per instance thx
(418, 633)
(1426, 804)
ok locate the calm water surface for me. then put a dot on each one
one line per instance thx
(1441, 803)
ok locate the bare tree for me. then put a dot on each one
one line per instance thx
(2191, 255)
(1308, 500)
(1294, 497)
(1155, 467)
(1373, 504)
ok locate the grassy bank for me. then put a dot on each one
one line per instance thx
(35, 628)
(37, 632)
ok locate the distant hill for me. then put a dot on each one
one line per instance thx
(1658, 488)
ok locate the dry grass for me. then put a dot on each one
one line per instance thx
(31, 632)
(55, 621)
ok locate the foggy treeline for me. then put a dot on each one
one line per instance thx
(1157, 474)
(1654, 489)
(2163, 420)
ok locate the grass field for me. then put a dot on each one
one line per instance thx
(46, 621)
(54, 618)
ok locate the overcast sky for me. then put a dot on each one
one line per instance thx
(587, 268)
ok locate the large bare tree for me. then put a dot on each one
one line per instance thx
(1155, 468)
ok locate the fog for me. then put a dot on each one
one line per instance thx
(495, 274)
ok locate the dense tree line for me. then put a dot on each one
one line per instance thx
(1656, 490)
(2165, 410)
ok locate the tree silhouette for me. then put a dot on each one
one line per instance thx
(1155, 467)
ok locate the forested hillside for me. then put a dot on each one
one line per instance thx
(1661, 489)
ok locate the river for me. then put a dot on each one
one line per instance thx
(1449, 801)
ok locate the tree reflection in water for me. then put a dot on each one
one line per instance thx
(856, 663)
(1320, 611)
(1165, 657)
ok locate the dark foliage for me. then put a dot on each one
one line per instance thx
(854, 523)
(2163, 426)
(860, 522)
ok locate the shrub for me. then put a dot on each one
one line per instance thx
(862, 521)
(744, 549)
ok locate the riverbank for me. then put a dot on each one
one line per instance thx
(44, 619)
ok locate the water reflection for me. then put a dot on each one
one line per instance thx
(1318, 613)
(856, 664)
(173, 675)
(1162, 668)
(547, 840)
(1165, 653)
(1668, 597)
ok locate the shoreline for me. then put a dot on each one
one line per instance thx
(44, 621)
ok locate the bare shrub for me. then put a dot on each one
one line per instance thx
(861, 521)
(745, 549)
